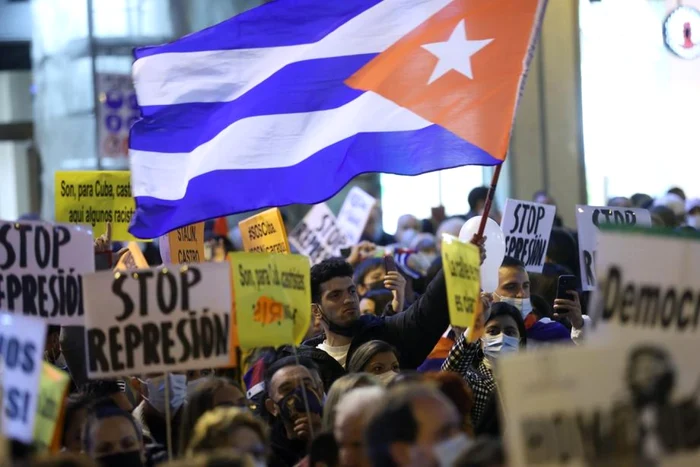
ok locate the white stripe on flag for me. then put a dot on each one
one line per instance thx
(224, 75)
(267, 141)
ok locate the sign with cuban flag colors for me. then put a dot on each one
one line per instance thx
(289, 101)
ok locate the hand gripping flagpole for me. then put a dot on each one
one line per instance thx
(489, 199)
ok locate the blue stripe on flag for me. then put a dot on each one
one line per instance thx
(278, 23)
(314, 180)
(299, 87)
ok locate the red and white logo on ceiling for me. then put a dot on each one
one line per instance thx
(682, 32)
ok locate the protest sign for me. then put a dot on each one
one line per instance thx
(264, 232)
(272, 298)
(183, 245)
(132, 259)
(354, 214)
(95, 198)
(648, 283)
(588, 218)
(41, 268)
(157, 320)
(53, 389)
(116, 113)
(461, 263)
(318, 235)
(22, 348)
(628, 404)
(527, 227)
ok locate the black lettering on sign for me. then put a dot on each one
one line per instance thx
(199, 335)
(610, 216)
(458, 268)
(588, 262)
(649, 305)
(172, 290)
(187, 234)
(46, 244)
(527, 219)
(260, 230)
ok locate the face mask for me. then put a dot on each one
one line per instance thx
(494, 346)
(522, 304)
(694, 221)
(387, 377)
(342, 330)
(156, 392)
(447, 452)
(121, 459)
(292, 405)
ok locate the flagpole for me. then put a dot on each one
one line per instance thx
(489, 199)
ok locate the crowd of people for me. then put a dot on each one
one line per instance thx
(382, 379)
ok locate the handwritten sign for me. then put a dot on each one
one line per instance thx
(648, 283)
(272, 298)
(53, 389)
(527, 227)
(461, 264)
(95, 198)
(264, 232)
(132, 259)
(588, 218)
(354, 214)
(183, 245)
(318, 235)
(41, 268)
(22, 348)
(172, 318)
(627, 404)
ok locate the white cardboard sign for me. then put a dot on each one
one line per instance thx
(588, 218)
(41, 269)
(170, 318)
(318, 235)
(649, 284)
(527, 227)
(633, 403)
(354, 214)
(22, 341)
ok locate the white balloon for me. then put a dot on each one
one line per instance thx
(495, 249)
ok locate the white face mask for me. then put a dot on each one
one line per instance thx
(522, 304)
(156, 392)
(494, 346)
(387, 377)
(447, 452)
(693, 221)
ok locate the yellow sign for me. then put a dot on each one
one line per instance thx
(132, 259)
(53, 389)
(186, 244)
(272, 298)
(264, 233)
(460, 262)
(95, 198)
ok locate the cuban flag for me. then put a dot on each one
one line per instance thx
(289, 101)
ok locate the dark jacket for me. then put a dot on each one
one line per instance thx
(414, 333)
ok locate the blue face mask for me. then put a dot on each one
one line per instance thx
(494, 346)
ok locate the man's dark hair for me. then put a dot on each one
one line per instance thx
(641, 200)
(394, 423)
(326, 270)
(478, 194)
(677, 191)
(74, 404)
(285, 362)
(100, 388)
(510, 262)
(105, 408)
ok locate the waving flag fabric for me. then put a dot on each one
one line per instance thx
(289, 101)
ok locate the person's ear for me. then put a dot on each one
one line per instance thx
(272, 407)
(401, 453)
(361, 289)
(316, 312)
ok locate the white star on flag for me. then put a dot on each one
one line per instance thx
(456, 53)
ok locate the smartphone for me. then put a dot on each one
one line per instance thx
(389, 263)
(564, 284)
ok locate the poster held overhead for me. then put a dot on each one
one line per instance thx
(22, 340)
(264, 232)
(588, 219)
(461, 263)
(183, 245)
(170, 318)
(41, 270)
(318, 235)
(354, 213)
(527, 227)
